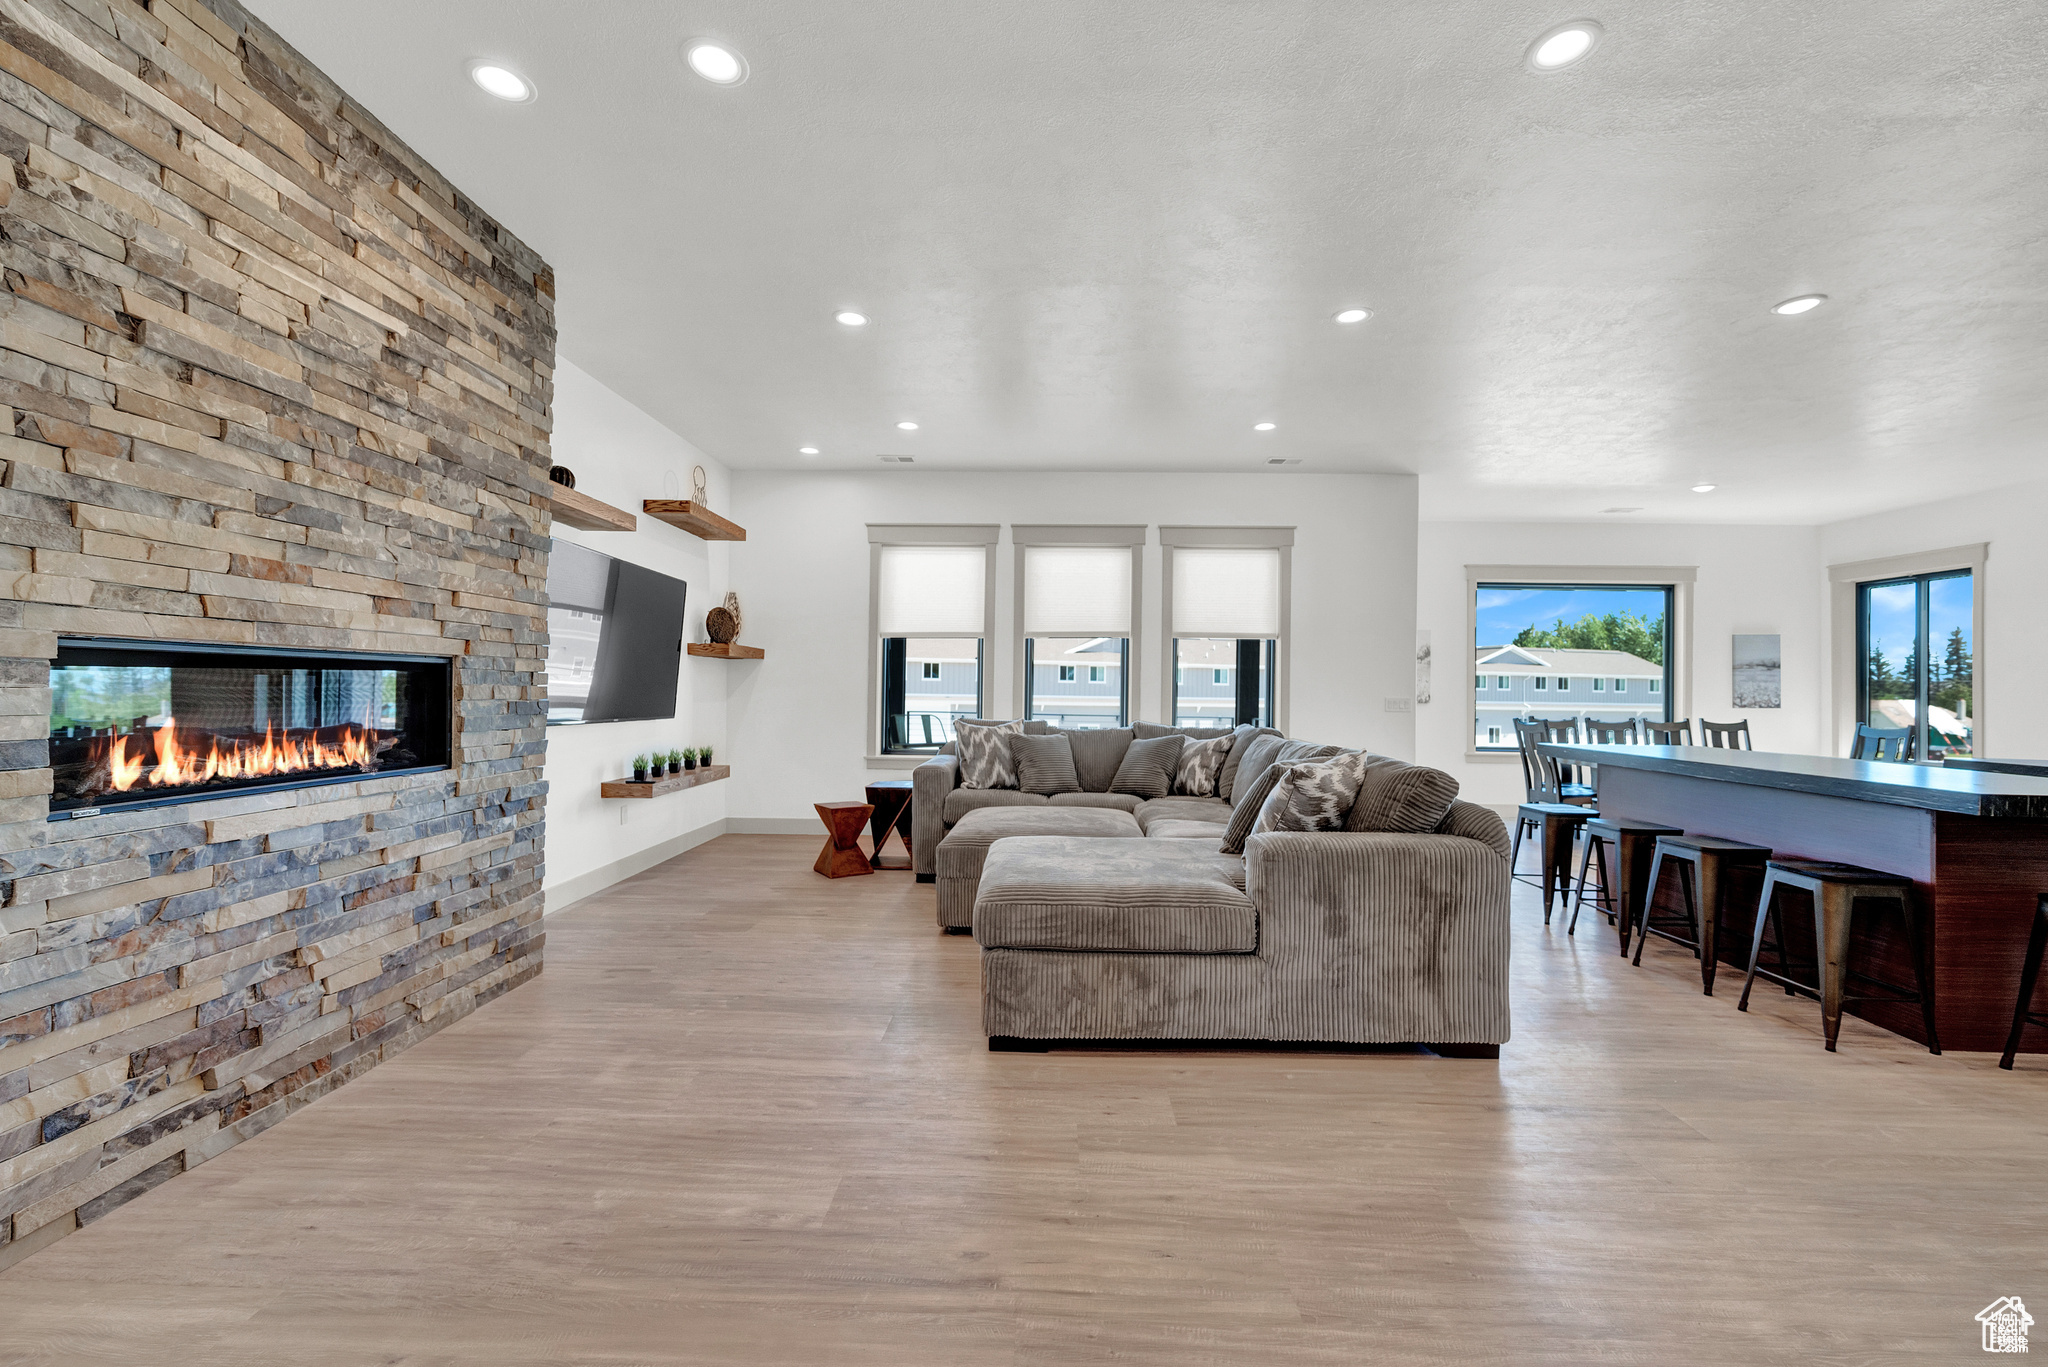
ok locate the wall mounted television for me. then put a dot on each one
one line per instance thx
(615, 638)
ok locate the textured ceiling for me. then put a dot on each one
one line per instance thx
(1111, 236)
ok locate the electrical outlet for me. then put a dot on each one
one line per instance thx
(1400, 705)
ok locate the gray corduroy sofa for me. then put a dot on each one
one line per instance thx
(1366, 937)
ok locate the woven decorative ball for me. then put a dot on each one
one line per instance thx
(721, 626)
(563, 475)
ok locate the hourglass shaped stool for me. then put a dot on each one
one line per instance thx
(1703, 862)
(1633, 843)
(1837, 889)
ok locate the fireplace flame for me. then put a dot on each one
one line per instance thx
(178, 765)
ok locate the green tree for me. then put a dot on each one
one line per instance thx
(1631, 632)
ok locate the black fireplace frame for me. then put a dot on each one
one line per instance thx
(437, 721)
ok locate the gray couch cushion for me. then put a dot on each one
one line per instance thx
(1201, 764)
(1256, 755)
(1175, 828)
(1097, 755)
(1045, 764)
(1122, 802)
(961, 801)
(1409, 798)
(1226, 783)
(1162, 897)
(1152, 730)
(1474, 822)
(961, 853)
(1182, 809)
(1148, 767)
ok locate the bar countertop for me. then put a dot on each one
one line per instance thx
(1929, 787)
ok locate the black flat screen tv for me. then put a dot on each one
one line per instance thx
(615, 638)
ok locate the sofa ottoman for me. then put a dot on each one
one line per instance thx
(1134, 896)
(965, 849)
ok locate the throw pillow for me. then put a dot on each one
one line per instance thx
(1226, 782)
(985, 760)
(1251, 796)
(1201, 764)
(1312, 797)
(1410, 798)
(1045, 764)
(1149, 767)
(1253, 758)
(1097, 754)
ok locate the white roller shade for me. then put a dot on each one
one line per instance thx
(933, 590)
(1077, 591)
(1226, 592)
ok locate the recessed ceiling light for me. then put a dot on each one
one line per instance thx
(715, 62)
(1354, 315)
(807, 450)
(850, 318)
(1564, 46)
(503, 82)
(906, 427)
(1703, 488)
(1262, 426)
(1805, 303)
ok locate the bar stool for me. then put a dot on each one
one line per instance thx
(1836, 889)
(1555, 820)
(1667, 733)
(1702, 860)
(1726, 735)
(1631, 840)
(2030, 973)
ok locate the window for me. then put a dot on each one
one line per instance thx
(930, 601)
(1479, 681)
(1076, 606)
(1551, 631)
(1226, 612)
(1917, 659)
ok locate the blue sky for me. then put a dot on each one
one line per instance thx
(1892, 609)
(1504, 612)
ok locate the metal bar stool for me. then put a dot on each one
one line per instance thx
(1554, 819)
(1702, 862)
(1836, 889)
(1631, 840)
(2030, 973)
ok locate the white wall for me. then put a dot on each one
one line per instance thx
(1750, 580)
(622, 456)
(2012, 657)
(799, 718)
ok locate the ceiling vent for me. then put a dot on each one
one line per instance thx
(899, 460)
(1284, 460)
(1621, 510)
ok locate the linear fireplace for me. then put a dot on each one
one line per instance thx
(136, 723)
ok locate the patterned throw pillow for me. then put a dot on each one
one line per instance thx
(1201, 764)
(985, 759)
(1252, 786)
(1410, 798)
(1312, 797)
(1045, 764)
(1148, 767)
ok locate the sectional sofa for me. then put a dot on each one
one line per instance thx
(1102, 915)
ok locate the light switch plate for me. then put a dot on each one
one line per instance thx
(1400, 705)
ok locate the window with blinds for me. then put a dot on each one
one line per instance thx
(931, 606)
(1226, 630)
(1077, 628)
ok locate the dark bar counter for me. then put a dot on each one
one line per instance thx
(1974, 842)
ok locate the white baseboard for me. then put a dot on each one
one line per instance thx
(570, 891)
(774, 825)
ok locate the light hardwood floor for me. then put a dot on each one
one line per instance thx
(746, 1115)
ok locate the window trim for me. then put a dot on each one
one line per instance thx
(1104, 537)
(1228, 538)
(1845, 677)
(1679, 579)
(882, 534)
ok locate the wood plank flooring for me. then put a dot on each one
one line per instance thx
(747, 1116)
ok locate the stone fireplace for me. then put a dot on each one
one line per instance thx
(274, 535)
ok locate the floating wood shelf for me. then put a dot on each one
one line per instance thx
(667, 783)
(581, 510)
(694, 518)
(712, 651)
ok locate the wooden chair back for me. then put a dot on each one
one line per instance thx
(1541, 775)
(1611, 732)
(1883, 743)
(1726, 735)
(1668, 732)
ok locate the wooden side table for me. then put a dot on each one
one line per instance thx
(841, 857)
(891, 799)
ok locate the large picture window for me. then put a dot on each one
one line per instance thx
(1077, 605)
(1916, 654)
(1580, 652)
(931, 615)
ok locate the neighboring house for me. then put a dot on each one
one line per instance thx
(1947, 733)
(2005, 1322)
(1537, 681)
(941, 681)
(1077, 684)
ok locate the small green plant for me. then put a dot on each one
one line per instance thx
(704, 755)
(675, 757)
(640, 768)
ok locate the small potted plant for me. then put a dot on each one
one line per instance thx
(640, 768)
(689, 759)
(704, 757)
(675, 761)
